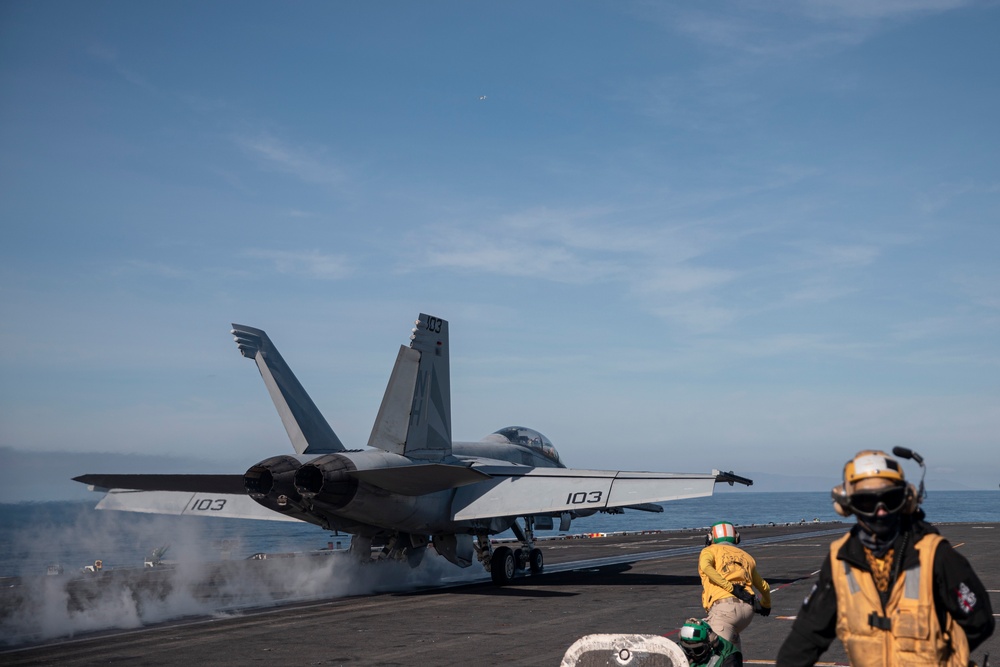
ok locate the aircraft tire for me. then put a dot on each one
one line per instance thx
(502, 566)
(535, 561)
(519, 559)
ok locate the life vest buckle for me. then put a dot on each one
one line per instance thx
(880, 622)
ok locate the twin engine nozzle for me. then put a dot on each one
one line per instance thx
(282, 478)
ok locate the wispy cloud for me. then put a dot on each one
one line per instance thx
(767, 29)
(312, 263)
(109, 56)
(659, 265)
(861, 9)
(813, 254)
(943, 195)
(677, 269)
(298, 213)
(155, 269)
(762, 36)
(696, 316)
(744, 40)
(981, 287)
(309, 164)
(684, 279)
(549, 244)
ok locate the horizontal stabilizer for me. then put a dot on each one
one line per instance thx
(231, 484)
(519, 491)
(214, 505)
(732, 477)
(306, 426)
(417, 480)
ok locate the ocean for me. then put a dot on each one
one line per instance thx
(72, 535)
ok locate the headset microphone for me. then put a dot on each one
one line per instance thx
(907, 453)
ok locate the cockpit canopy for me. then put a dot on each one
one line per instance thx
(529, 437)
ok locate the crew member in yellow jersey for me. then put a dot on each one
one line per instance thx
(893, 590)
(727, 574)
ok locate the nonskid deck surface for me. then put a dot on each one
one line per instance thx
(637, 584)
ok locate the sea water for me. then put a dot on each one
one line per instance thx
(72, 535)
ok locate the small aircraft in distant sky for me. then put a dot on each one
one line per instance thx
(413, 486)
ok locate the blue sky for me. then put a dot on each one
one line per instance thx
(670, 236)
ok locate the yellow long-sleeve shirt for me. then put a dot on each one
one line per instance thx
(723, 565)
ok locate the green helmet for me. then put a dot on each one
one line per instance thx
(696, 641)
(695, 631)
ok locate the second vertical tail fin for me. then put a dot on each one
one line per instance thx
(415, 416)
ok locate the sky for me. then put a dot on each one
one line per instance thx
(750, 236)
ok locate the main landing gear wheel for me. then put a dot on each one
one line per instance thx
(535, 561)
(502, 566)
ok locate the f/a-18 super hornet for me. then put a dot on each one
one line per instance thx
(412, 486)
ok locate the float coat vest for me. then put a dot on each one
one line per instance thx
(907, 631)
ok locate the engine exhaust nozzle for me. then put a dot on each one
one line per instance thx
(327, 481)
(272, 478)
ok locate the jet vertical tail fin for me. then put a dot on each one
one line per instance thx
(307, 428)
(415, 416)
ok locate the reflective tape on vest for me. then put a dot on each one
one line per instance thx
(852, 583)
(912, 583)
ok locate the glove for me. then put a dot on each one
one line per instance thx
(763, 611)
(742, 594)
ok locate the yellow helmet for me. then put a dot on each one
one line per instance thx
(872, 463)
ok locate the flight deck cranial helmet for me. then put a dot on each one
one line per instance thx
(696, 640)
(722, 531)
(895, 496)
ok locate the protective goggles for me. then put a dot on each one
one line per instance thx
(867, 503)
(697, 652)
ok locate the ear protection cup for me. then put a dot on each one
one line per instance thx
(708, 540)
(737, 537)
(841, 500)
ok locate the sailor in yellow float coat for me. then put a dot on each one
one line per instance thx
(893, 590)
(727, 572)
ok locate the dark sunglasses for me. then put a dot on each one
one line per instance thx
(868, 502)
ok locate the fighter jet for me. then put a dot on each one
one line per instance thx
(413, 486)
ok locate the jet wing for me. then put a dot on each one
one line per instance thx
(518, 491)
(216, 505)
(189, 495)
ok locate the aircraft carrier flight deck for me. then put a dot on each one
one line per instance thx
(636, 584)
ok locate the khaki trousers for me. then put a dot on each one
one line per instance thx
(728, 618)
